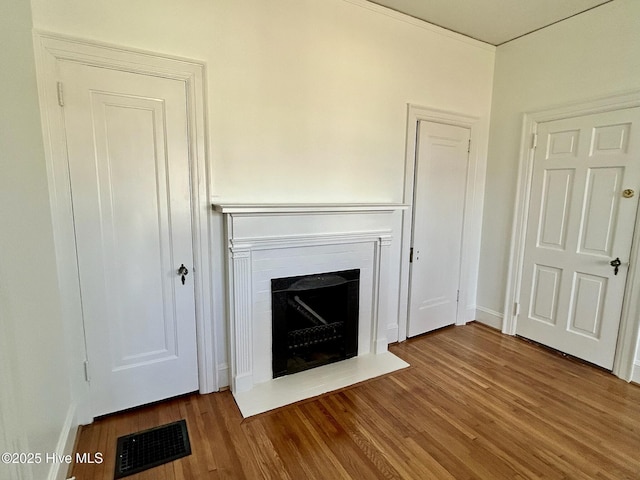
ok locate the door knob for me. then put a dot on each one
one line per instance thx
(183, 272)
(615, 264)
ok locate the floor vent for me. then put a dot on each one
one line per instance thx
(147, 449)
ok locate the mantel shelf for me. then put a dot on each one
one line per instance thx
(268, 208)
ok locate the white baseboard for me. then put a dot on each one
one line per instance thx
(66, 442)
(489, 317)
(470, 313)
(380, 346)
(635, 376)
(223, 375)
(392, 333)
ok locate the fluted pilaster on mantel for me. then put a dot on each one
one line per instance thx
(241, 315)
(380, 341)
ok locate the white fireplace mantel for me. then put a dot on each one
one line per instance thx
(269, 241)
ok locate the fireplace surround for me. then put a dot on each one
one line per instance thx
(270, 242)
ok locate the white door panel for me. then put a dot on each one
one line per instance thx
(556, 196)
(578, 223)
(438, 212)
(130, 183)
(544, 296)
(601, 205)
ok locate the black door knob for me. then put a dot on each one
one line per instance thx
(183, 272)
(615, 264)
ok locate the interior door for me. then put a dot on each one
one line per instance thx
(127, 137)
(580, 221)
(442, 157)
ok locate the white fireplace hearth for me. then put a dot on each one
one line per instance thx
(266, 242)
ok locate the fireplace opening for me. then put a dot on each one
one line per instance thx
(314, 319)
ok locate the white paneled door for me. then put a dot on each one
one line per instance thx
(442, 158)
(127, 137)
(582, 212)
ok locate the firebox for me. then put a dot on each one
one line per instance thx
(315, 320)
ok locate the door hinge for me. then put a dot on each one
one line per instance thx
(516, 308)
(469, 147)
(534, 140)
(60, 95)
(86, 370)
(458, 296)
(411, 255)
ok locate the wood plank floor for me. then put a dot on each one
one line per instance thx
(474, 404)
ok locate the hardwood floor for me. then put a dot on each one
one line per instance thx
(473, 405)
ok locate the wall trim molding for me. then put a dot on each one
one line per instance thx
(635, 377)
(472, 226)
(51, 49)
(630, 323)
(223, 375)
(489, 317)
(66, 442)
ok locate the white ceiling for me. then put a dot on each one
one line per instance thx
(492, 21)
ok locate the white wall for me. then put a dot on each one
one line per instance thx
(35, 397)
(307, 99)
(594, 54)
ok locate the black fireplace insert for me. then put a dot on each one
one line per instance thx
(315, 320)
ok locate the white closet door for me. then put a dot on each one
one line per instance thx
(442, 160)
(129, 169)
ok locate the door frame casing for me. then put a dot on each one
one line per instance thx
(51, 49)
(629, 322)
(472, 214)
